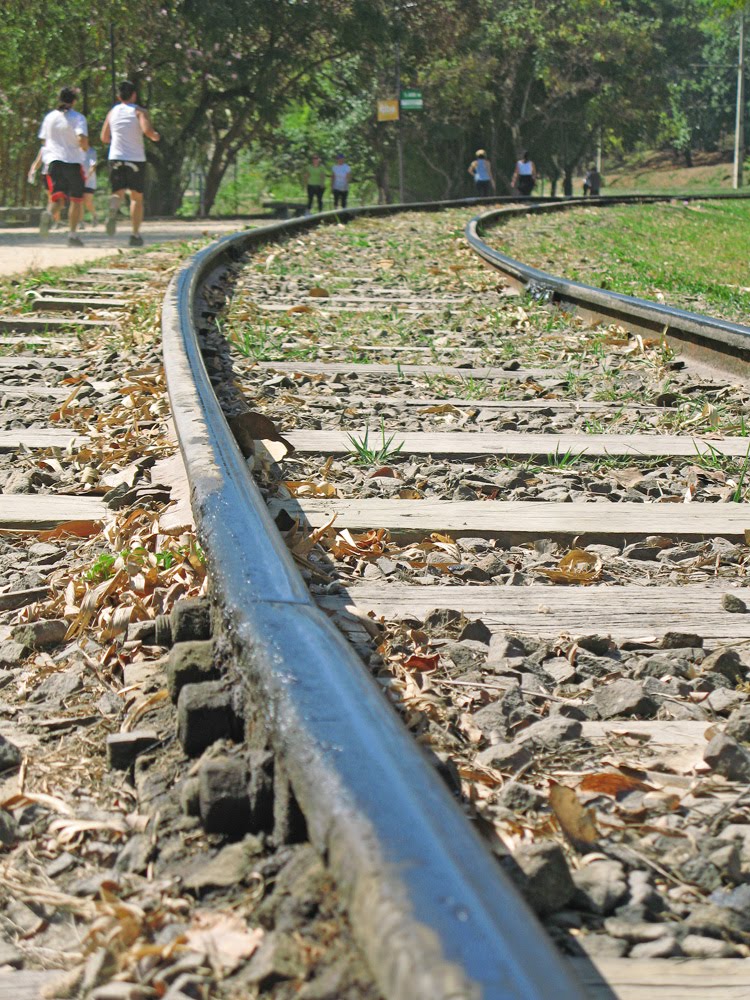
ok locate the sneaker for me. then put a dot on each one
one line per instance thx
(136, 241)
(114, 208)
(45, 221)
(75, 241)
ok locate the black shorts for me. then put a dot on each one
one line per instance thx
(525, 185)
(65, 180)
(125, 175)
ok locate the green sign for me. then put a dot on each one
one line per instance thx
(411, 100)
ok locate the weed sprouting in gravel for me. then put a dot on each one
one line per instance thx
(364, 452)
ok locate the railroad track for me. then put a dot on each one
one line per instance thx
(488, 501)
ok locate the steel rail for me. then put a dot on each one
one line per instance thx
(434, 914)
(714, 341)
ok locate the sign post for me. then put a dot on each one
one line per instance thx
(411, 100)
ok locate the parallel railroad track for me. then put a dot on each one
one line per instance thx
(487, 500)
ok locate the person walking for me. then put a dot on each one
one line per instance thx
(53, 207)
(341, 176)
(64, 135)
(592, 182)
(524, 176)
(124, 128)
(481, 170)
(314, 180)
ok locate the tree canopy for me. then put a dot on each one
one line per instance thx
(281, 77)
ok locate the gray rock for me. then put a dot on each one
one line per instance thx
(10, 755)
(477, 631)
(666, 664)
(42, 634)
(229, 867)
(505, 644)
(697, 946)
(718, 921)
(725, 661)
(505, 757)
(635, 931)
(136, 855)
(680, 640)
(599, 645)
(727, 757)
(724, 700)
(663, 947)
(520, 798)
(600, 886)
(13, 653)
(602, 946)
(546, 885)
(738, 725)
(623, 698)
(642, 894)
(736, 899)
(733, 604)
(550, 732)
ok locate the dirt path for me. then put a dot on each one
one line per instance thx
(24, 249)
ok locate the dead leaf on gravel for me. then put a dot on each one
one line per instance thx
(77, 529)
(578, 566)
(440, 409)
(422, 661)
(611, 783)
(307, 488)
(224, 937)
(577, 823)
(301, 308)
(319, 293)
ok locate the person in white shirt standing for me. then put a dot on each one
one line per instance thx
(123, 130)
(64, 134)
(341, 175)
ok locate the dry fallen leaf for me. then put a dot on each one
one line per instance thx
(612, 783)
(577, 566)
(576, 823)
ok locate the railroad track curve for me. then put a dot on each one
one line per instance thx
(582, 534)
(413, 485)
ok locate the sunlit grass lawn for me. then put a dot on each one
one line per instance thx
(696, 257)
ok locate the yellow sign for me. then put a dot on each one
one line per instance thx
(388, 111)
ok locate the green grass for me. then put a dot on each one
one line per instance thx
(694, 257)
(364, 452)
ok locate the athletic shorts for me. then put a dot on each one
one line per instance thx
(88, 190)
(125, 175)
(65, 180)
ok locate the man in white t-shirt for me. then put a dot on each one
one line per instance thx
(64, 135)
(123, 130)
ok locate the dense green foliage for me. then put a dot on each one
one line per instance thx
(266, 82)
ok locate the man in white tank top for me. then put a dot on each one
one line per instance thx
(124, 129)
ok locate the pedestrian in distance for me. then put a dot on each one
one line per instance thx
(592, 182)
(124, 128)
(89, 184)
(341, 176)
(53, 207)
(64, 135)
(315, 180)
(481, 170)
(524, 176)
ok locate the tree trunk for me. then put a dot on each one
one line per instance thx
(568, 182)
(165, 186)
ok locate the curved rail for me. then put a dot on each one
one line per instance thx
(715, 341)
(429, 905)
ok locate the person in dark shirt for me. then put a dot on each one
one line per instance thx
(592, 182)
